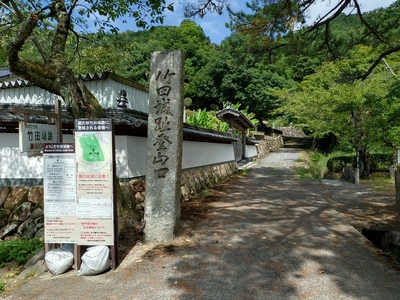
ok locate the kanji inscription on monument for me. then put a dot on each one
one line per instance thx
(164, 155)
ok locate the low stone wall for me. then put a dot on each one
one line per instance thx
(269, 144)
(349, 174)
(292, 131)
(21, 208)
(21, 212)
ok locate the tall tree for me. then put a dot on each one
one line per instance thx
(270, 20)
(22, 20)
(357, 112)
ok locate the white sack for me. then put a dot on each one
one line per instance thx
(95, 260)
(58, 261)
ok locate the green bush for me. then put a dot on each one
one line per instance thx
(381, 162)
(206, 119)
(19, 250)
(209, 120)
(318, 165)
(335, 164)
(316, 157)
(378, 162)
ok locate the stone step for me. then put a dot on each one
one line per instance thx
(297, 142)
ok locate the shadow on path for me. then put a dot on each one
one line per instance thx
(265, 235)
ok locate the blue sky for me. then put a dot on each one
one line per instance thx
(214, 24)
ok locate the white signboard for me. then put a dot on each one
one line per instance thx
(33, 136)
(59, 186)
(95, 181)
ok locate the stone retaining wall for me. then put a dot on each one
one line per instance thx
(21, 212)
(292, 131)
(21, 208)
(349, 174)
(269, 144)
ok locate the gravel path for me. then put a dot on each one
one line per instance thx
(265, 235)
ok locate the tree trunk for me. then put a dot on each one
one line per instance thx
(357, 168)
(53, 73)
(364, 162)
(79, 100)
(397, 186)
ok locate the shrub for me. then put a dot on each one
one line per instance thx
(316, 157)
(335, 164)
(378, 162)
(381, 161)
(19, 250)
(316, 166)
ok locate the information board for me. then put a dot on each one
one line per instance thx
(59, 183)
(33, 136)
(95, 181)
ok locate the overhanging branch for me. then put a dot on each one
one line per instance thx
(378, 60)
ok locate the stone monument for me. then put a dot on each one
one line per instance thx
(164, 147)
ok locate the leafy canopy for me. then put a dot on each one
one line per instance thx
(332, 101)
(84, 14)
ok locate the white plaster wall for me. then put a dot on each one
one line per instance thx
(107, 92)
(130, 155)
(14, 164)
(251, 151)
(26, 95)
(197, 154)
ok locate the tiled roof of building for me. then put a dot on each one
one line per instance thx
(84, 77)
(127, 122)
(5, 72)
(235, 116)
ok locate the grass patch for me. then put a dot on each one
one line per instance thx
(379, 181)
(244, 172)
(205, 193)
(311, 165)
(13, 255)
(303, 172)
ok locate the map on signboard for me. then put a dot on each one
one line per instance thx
(92, 151)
